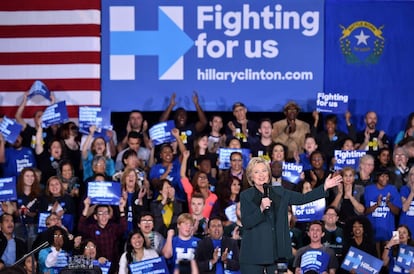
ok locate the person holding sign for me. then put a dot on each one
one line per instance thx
(54, 258)
(136, 250)
(402, 236)
(264, 217)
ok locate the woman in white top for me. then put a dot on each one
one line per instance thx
(136, 251)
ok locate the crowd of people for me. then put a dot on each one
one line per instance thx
(180, 204)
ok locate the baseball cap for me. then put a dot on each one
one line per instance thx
(238, 104)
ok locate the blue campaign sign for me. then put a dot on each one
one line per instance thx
(97, 116)
(332, 102)
(291, 172)
(10, 129)
(8, 189)
(55, 114)
(104, 267)
(361, 262)
(224, 156)
(349, 158)
(405, 257)
(108, 193)
(161, 133)
(223, 49)
(39, 88)
(156, 265)
(309, 212)
(42, 221)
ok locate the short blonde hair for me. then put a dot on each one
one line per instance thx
(183, 217)
(252, 163)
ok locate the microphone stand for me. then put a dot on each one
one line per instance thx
(43, 245)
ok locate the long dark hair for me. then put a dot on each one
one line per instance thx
(129, 248)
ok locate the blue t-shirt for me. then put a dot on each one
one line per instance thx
(407, 218)
(317, 259)
(16, 160)
(382, 220)
(183, 250)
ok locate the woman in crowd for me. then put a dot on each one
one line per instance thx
(136, 250)
(392, 249)
(69, 180)
(200, 152)
(408, 130)
(317, 174)
(199, 184)
(358, 233)
(56, 200)
(407, 198)
(278, 152)
(366, 167)
(69, 134)
(28, 194)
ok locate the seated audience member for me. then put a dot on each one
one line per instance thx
(333, 235)
(102, 231)
(382, 206)
(407, 198)
(225, 207)
(30, 265)
(197, 204)
(245, 130)
(153, 238)
(291, 131)
(15, 157)
(134, 143)
(315, 256)
(91, 148)
(54, 258)
(165, 208)
(182, 246)
(137, 250)
(55, 200)
(399, 169)
(217, 253)
(200, 184)
(392, 250)
(349, 196)
(11, 248)
(358, 233)
(187, 130)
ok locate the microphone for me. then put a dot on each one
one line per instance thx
(266, 192)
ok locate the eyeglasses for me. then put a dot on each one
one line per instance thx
(102, 213)
(147, 221)
(90, 247)
(202, 177)
(57, 236)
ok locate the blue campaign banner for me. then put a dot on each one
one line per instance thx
(309, 212)
(223, 49)
(332, 102)
(156, 265)
(94, 116)
(42, 221)
(161, 133)
(361, 262)
(349, 158)
(224, 156)
(108, 193)
(8, 189)
(291, 172)
(39, 88)
(104, 267)
(10, 129)
(405, 257)
(55, 114)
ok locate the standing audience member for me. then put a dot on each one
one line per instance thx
(366, 167)
(136, 123)
(137, 250)
(261, 148)
(383, 159)
(11, 248)
(408, 130)
(69, 134)
(371, 139)
(54, 258)
(358, 233)
(315, 256)
(407, 198)
(333, 235)
(399, 169)
(236, 170)
(153, 238)
(216, 139)
(291, 131)
(197, 205)
(134, 142)
(217, 253)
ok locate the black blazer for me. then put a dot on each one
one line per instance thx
(20, 246)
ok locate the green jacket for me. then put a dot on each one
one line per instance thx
(266, 234)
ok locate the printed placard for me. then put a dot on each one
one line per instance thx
(103, 192)
(39, 88)
(104, 267)
(349, 158)
(332, 102)
(55, 114)
(361, 262)
(309, 212)
(291, 172)
(224, 156)
(161, 133)
(94, 116)
(8, 189)
(156, 265)
(405, 257)
(10, 129)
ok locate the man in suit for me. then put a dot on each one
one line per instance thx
(11, 248)
(217, 253)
